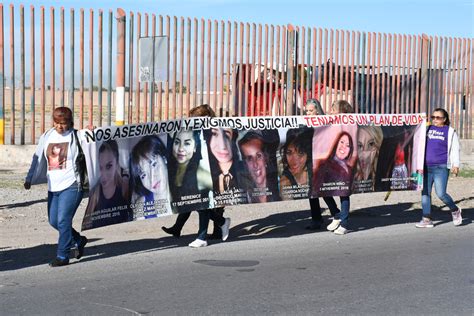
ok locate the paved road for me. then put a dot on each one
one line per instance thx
(270, 265)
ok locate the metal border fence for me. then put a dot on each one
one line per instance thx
(240, 69)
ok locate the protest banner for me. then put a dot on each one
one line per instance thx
(160, 168)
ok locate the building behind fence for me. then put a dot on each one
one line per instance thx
(81, 58)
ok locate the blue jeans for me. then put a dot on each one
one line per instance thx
(62, 206)
(344, 213)
(439, 176)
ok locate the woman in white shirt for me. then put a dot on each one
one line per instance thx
(65, 178)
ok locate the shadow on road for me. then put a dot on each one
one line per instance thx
(22, 204)
(280, 225)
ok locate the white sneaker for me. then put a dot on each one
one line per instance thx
(334, 224)
(198, 243)
(225, 229)
(340, 231)
(457, 217)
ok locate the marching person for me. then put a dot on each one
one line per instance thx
(65, 178)
(441, 158)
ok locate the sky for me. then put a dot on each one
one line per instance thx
(452, 18)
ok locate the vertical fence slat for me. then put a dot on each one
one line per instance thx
(130, 68)
(221, 72)
(241, 63)
(320, 63)
(353, 68)
(418, 78)
(247, 66)
(410, 75)
(252, 69)
(272, 67)
(181, 75)
(188, 64)
(259, 63)
(413, 74)
(383, 70)
(346, 75)
(99, 61)
(42, 62)
(22, 75)
(326, 72)
(358, 72)
(32, 72)
(277, 72)
(313, 65)
(160, 85)
(310, 70)
(216, 54)
(109, 69)
(208, 62)
(81, 58)
(53, 59)
(265, 70)
(145, 85)
(137, 70)
(372, 74)
(402, 75)
(228, 79)
(195, 73)
(283, 73)
(368, 70)
(12, 73)
(377, 79)
(91, 67)
(71, 61)
(202, 59)
(62, 103)
(335, 81)
(470, 76)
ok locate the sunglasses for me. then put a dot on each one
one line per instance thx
(433, 117)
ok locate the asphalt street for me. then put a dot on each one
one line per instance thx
(269, 265)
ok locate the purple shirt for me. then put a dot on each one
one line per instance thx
(437, 145)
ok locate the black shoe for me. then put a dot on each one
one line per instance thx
(314, 226)
(172, 231)
(79, 252)
(58, 262)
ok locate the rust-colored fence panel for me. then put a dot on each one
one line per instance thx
(239, 68)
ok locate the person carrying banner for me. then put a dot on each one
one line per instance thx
(339, 224)
(186, 154)
(313, 107)
(111, 191)
(65, 182)
(441, 157)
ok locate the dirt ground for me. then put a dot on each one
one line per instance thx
(24, 220)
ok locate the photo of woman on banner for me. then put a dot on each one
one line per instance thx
(296, 160)
(258, 149)
(189, 182)
(149, 178)
(369, 141)
(396, 170)
(226, 167)
(333, 166)
(109, 198)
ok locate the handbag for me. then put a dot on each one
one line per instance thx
(81, 166)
